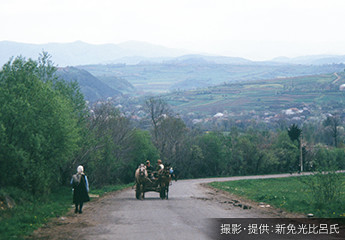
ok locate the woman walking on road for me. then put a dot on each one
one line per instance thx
(80, 189)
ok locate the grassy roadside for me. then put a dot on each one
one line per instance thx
(31, 212)
(294, 194)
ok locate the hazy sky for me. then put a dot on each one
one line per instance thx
(255, 29)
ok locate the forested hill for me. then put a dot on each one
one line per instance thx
(117, 83)
(92, 87)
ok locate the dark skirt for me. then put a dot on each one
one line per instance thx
(80, 193)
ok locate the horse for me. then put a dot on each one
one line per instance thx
(140, 180)
(164, 182)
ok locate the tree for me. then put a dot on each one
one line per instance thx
(38, 126)
(295, 133)
(213, 149)
(106, 146)
(171, 134)
(247, 156)
(141, 149)
(332, 124)
(158, 109)
(286, 152)
(196, 166)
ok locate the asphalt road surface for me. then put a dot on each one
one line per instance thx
(186, 215)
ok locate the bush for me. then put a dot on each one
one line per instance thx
(325, 187)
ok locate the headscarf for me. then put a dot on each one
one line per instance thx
(80, 169)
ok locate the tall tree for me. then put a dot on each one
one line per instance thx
(158, 109)
(213, 149)
(171, 135)
(106, 145)
(38, 126)
(295, 133)
(332, 124)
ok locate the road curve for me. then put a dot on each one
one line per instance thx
(121, 216)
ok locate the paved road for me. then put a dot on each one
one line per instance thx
(186, 215)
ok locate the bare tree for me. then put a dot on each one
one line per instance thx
(106, 123)
(169, 132)
(158, 109)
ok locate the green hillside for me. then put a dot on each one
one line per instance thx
(261, 96)
(117, 83)
(165, 77)
(92, 88)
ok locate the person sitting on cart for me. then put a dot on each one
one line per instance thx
(149, 169)
(159, 169)
(160, 166)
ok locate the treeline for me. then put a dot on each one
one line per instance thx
(39, 124)
(246, 151)
(254, 152)
(47, 130)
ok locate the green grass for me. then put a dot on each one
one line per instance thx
(291, 194)
(31, 212)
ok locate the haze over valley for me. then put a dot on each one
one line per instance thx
(198, 86)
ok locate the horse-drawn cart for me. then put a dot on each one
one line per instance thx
(152, 182)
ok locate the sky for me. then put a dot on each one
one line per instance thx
(253, 29)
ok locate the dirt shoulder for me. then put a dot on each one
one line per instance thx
(72, 225)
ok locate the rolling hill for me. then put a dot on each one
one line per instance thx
(266, 99)
(119, 84)
(196, 72)
(92, 88)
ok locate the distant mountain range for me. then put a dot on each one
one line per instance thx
(206, 60)
(312, 59)
(81, 53)
(109, 70)
(133, 52)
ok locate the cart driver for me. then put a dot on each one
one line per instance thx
(149, 168)
(159, 171)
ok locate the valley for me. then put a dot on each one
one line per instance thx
(158, 78)
(224, 95)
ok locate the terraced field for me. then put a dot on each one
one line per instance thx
(162, 78)
(275, 95)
